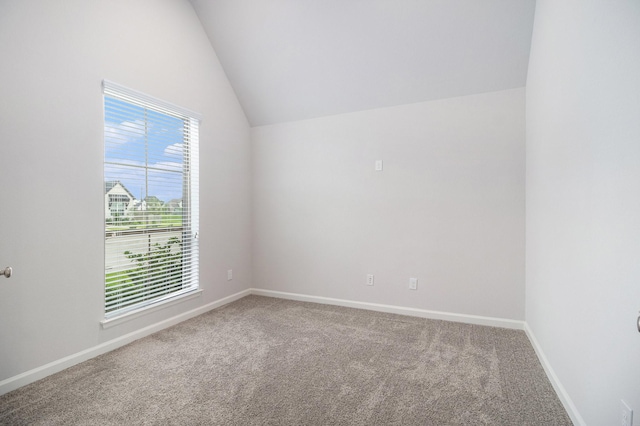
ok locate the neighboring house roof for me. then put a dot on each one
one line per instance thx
(109, 185)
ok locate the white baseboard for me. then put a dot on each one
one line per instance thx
(414, 312)
(41, 372)
(571, 409)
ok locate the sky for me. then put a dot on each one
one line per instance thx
(143, 150)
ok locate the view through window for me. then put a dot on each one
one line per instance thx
(151, 200)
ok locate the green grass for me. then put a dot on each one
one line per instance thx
(164, 221)
(114, 278)
(172, 220)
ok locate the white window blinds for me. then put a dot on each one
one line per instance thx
(151, 200)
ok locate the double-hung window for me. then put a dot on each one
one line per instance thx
(151, 200)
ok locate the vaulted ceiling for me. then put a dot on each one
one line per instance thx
(296, 59)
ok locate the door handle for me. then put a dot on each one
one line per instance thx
(7, 272)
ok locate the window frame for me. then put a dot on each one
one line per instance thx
(189, 227)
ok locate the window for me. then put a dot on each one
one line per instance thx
(151, 200)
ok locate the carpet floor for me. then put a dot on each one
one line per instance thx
(266, 361)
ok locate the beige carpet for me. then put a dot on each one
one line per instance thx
(265, 361)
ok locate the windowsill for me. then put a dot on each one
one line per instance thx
(110, 322)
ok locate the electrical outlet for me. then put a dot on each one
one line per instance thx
(378, 165)
(413, 283)
(369, 279)
(627, 414)
(229, 274)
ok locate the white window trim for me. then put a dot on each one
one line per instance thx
(110, 88)
(163, 304)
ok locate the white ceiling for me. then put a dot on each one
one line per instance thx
(295, 59)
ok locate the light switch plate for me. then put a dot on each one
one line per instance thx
(413, 283)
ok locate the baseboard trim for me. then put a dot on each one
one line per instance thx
(564, 397)
(414, 312)
(41, 372)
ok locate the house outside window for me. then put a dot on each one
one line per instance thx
(119, 201)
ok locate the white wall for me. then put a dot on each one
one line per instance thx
(54, 56)
(583, 200)
(448, 207)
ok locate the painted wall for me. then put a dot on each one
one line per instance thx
(448, 208)
(583, 200)
(54, 57)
